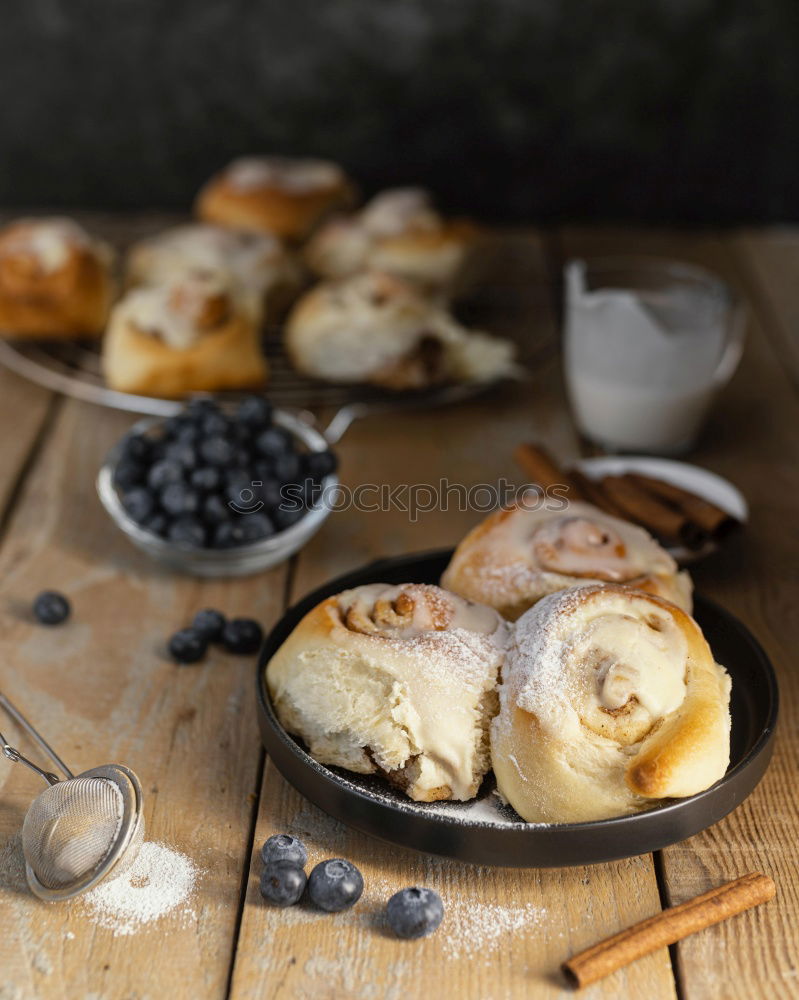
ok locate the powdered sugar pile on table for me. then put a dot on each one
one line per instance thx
(160, 882)
(474, 928)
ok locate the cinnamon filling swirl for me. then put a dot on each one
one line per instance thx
(580, 547)
(410, 611)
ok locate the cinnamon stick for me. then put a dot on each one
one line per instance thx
(667, 927)
(712, 519)
(593, 492)
(662, 520)
(541, 468)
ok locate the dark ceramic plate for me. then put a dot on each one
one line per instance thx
(487, 833)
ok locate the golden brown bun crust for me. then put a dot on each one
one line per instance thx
(227, 358)
(291, 215)
(72, 300)
(563, 753)
(396, 680)
(498, 562)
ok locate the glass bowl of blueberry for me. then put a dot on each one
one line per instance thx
(218, 490)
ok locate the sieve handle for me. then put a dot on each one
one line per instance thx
(16, 758)
(20, 719)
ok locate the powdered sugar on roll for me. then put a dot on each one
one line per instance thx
(397, 680)
(610, 700)
(519, 555)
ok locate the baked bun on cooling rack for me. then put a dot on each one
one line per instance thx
(519, 555)
(55, 280)
(379, 329)
(189, 335)
(610, 703)
(398, 232)
(256, 265)
(395, 680)
(280, 195)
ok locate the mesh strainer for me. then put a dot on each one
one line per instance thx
(79, 831)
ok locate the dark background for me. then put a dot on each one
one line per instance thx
(527, 110)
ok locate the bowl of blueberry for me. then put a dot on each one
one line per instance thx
(217, 490)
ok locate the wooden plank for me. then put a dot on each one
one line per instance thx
(771, 257)
(23, 412)
(102, 689)
(750, 439)
(506, 931)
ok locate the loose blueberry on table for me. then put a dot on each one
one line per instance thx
(283, 883)
(188, 646)
(284, 847)
(335, 885)
(210, 624)
(414, 912)
(51, 608)
(242, 636)
(209, 479)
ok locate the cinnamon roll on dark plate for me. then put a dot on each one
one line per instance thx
(396, 680)
(519, 555)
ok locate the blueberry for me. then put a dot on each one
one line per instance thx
(287, 467)
(187, 531)
(217, 450)
(209, 624)
(242, 636)
(283, 883)
(172, 425)
(215, 424)
(292, 496)
(255, 527)
(187, 434)
(226, 535)
(51, 608)
(283, 847)
(179, 499)
(237, 474)
(335, 885)
(254, 411)
(163, 473)
(187, 646)
(137, 447)
(240, 495)
(214, 510)
(269, 493)
(128, 474)
(139, 503)
(318, 464)
(200, 407)
(415, 912)
(181, 453)
(272, 442)
(206, 478)
(158, 523)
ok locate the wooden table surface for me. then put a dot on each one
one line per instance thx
(102, 689)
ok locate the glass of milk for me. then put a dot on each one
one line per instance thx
(648, 343)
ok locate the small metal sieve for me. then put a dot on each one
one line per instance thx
(78, 831)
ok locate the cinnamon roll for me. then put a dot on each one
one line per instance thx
(189, 335)
(518, 555)
(256, 265)
(275, 194)
(610, 703)
(395, 680)
(379, 329)
(55, 279)
(399, 232)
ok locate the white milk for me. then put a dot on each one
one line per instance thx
(642, 366)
